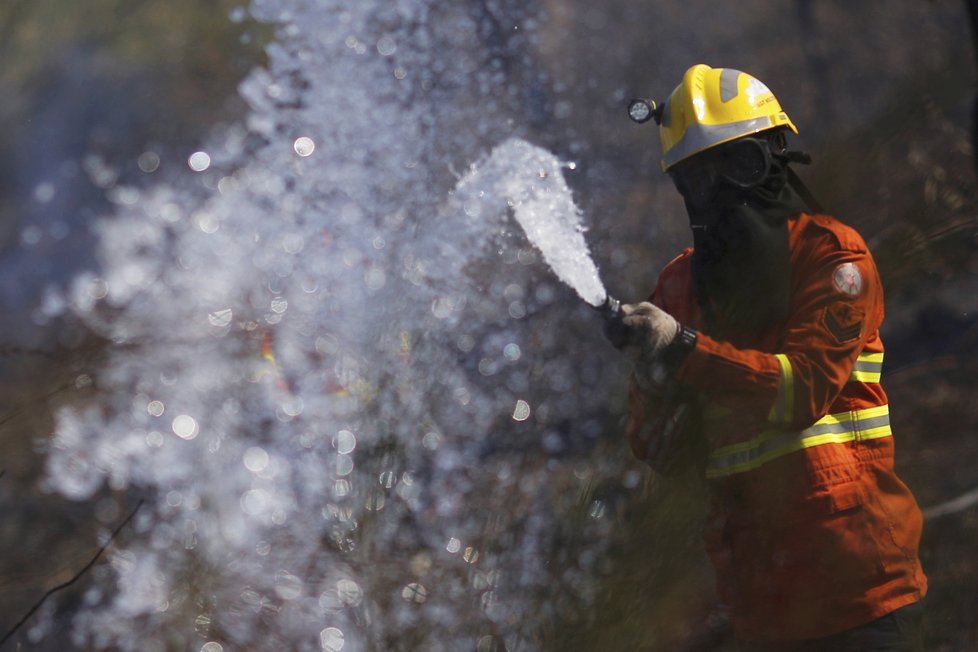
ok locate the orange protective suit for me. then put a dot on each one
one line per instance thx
(811, 532)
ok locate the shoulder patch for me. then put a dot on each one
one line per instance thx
(847, 279)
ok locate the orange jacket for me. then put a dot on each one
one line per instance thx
(811, 532)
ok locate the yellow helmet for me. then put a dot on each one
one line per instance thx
(713, 106)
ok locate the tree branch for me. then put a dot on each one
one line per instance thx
(74, 579)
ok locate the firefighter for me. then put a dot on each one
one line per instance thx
(757, 361)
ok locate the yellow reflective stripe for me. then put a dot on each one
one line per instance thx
(868, 368)
(857, 425)
(784, 404)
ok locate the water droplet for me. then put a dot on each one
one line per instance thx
(522, 411)
(304, 146)
(206, 222)
(279, 305)
(597, 509)
(98, 289)
(220, 318)
(148, 162)
(441, 307)
(211, 646)
(199, 161)
(202, 625)
(386, 46)
(344, 465)
(256, 459)
(375, 500)
(331, 639)
(512, 352)
(345, 442)
(415, 592)
(185, 427)
(342, 488)
(254, 501)
(349, 593)
(431, 440)
(287, 585)
(375, 278)
(487, 367)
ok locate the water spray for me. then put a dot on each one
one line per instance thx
(320, 500)
(530, 181)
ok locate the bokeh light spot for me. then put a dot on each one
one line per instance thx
(349, 592)
(331, 639)
(345, 442)
(185, 427)
(256, 459)
(220, 318)
(522, 411)
(149, 162)
(512, 352)
(304, 146)
(386, 46)
(415, 592)
(199, 161)
(254, 501)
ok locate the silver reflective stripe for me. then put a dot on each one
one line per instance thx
(698, 137)
(868, 368)
(858, 425)
(728, 84)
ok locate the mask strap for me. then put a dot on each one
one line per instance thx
(806, 195)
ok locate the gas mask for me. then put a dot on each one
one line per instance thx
(738, 201)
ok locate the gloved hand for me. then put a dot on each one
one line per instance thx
(650, 331)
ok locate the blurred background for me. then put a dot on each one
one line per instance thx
(105, 102)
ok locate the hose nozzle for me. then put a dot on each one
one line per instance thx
(614, 327)
(611, 307)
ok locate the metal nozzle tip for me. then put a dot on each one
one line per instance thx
(610, 307)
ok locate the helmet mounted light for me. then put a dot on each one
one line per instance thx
(642, 110)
